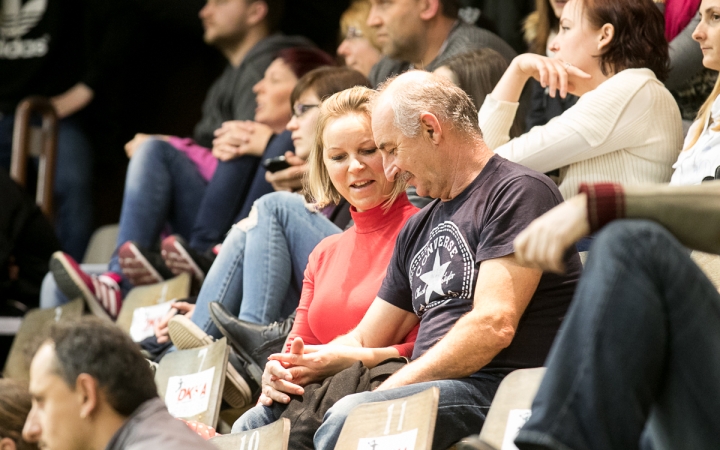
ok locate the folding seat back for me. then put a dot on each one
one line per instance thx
(22, 148)
(709, 264)
(144, 306)
(191, 382)
(31, 333)
(510, 408)
(270, 437)
(406, 423)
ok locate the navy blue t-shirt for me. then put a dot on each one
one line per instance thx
(434, 267)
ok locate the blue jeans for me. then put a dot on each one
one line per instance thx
(638, 349)
(232, 191)
(73, 182)
(461, 410)
(162, 185)
(259, 271)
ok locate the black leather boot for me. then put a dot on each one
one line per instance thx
(254, 342)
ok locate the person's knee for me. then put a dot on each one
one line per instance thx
(152, 148)
(623, 235)
(146, 159)
(342, 408)
(272, 204)
(276, 201)
(253, 418)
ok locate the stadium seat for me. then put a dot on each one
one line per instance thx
(30, 334)
(191, 382)
(407, 423)
(270, 437)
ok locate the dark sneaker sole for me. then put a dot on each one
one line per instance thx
(70, 284)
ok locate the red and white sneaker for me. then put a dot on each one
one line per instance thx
(180, 258)
(140, 266)
(101, 292)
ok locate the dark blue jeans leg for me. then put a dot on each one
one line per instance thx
(639, 347)
(73, 188)
(225, 195)
(162, 185)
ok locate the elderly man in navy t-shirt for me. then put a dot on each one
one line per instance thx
(481, 313)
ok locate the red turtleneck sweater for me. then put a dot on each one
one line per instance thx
(344, 274)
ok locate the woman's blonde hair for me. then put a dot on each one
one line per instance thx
(705, 114)
(318, 185)
(356, 16)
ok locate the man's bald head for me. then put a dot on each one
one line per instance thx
(416, 92)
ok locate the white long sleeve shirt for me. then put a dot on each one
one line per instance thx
(700, 160)
(628, 131)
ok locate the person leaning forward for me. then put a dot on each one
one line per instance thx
(453, 270)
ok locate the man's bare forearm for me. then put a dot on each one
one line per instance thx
(470, 345)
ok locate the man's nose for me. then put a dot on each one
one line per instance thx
(391, 172)
(31, 430)
(373, 19)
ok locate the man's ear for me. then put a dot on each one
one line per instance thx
(607, 33)
(257, 11)
(431, 128)
(86, 388)
(7, 444)
(429, 9)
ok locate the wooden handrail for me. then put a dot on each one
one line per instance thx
(48, 153)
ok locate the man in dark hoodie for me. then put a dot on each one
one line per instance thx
(167, 175)
(42, 52)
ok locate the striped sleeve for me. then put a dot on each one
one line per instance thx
(605, 203)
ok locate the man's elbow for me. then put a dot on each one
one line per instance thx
(500, 330)
(504, 336)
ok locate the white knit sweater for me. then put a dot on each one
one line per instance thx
(628, 131)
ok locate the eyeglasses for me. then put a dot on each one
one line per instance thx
(299, 109)
(353, 33)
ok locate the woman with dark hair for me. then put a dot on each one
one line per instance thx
(477, 72)
(15, 404)
(142, 218)
(626, 127)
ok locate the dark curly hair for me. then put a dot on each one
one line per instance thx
(639, 39)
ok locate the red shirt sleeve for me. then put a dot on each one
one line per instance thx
(406, 348)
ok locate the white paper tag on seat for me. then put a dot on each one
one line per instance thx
(189, 395)
(516, 420)
(145, 319)
(400, 441)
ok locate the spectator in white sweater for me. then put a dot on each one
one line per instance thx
(701, 153)
(626, 127)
